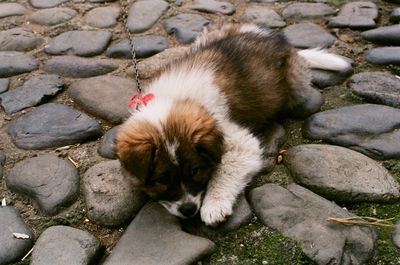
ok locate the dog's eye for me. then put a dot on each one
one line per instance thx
(194, 171)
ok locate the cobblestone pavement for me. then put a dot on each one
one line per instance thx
(65, 80)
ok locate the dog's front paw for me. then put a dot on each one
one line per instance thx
(215, 211)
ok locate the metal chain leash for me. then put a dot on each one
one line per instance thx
(125, 6)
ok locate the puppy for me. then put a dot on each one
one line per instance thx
(195, 146)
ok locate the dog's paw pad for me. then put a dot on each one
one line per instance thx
(215, 212)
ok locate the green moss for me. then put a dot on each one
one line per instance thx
(256, 244)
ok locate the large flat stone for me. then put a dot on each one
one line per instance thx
(52, 125)
(46, 3)
(151, 238)
(14, 63)
(11, 9)
(81, 43)
(389, 35)
(34, 91)
(51, 182)
(303, 216)
(110, 198)
(143, 14)
(52, 16)
(60, 245)
(186, 27)
(263, 16)
(145, 46)
(383, 55)
(72, 66)
(367, 128)
(102, 17)
(107, 147)
(343, 175)
(307, 10)
(356, 15)
(308, 35)
(377, 87)
(94, 94)
(213, 6)
(13, 249)
(19, 39)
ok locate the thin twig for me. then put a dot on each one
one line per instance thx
(27, 254)
(73, 162)
(362, 221)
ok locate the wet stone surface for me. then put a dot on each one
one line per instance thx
(110, 198)
(51, 182)
(383, 55)
(13, 249)
(19, 39)
(52, 16)
(52, 125)
(14, 63)
(359, 127)
(340, 170)
(356, 15)
(145, 46)
(94, 94)
(81, 43)
(308, 35)
(72, 66)
(263, 16)
(59, 245)
(389, 35)
(33, 92)
(155, 227)
(185, 27)
(377, 87)
(302, 215)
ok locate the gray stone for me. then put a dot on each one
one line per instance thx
(274, 137)
(395, 15)
(19, 39)
(145, 46)
(46, 3)
(325, 78)
(2, 162)
(4, 82)
(377, 87)
(82, 43)
(367, 128)
(343, 175)
(396, 234)
(94, 94)
(109, 196)
(34, 91)
(307, 10)
(52, 16)
(143, 14)
(356, 15)
(308, 35)
(263, 16)
(13, 249)
(102, 17)
(72, 66)
(107, 147)
(60, 245)
(151, 238)
(213, 6)
(186, 27)
(389, 35)
(51, 182)
(14, 63)
(147, 68)
(303, 216)
(11, 9)
(383, 55)
(52, 125)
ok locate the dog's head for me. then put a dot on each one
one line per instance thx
(171, 152)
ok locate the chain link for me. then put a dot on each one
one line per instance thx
(125, 6)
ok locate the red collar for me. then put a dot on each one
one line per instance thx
(138, 100)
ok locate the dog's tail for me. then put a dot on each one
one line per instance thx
(321, 59)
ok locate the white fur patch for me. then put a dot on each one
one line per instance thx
(171, 149)
(321, 59)
(254, 29)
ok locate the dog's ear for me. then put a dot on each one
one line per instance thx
(209, 143)
(135, 148)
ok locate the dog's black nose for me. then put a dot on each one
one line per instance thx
(188, 209)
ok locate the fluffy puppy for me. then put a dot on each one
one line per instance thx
(194, 146)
